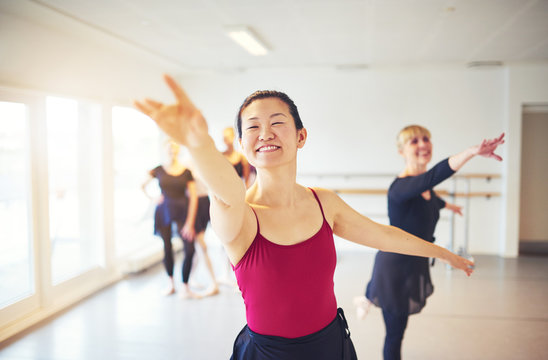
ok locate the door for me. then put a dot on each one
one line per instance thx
(533, 231)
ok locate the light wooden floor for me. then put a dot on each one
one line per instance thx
(501, 312)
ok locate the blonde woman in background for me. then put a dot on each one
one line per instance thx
(236, 158)
(401, 283)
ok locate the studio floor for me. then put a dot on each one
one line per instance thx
(501, 312)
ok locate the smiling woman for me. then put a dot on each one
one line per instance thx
(279, 234)
(264, 136)
(400, 284)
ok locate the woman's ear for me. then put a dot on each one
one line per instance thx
(301, 137)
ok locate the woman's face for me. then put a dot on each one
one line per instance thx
(417, 151)
(269, 135)
(173, 149)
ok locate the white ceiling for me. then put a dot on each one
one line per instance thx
(318, 33)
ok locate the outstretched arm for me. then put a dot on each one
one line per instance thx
(486, 149)
(185, 124)
(351, 225)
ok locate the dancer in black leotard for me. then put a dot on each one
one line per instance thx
(177, 205)
(201, 223)
(400, 283)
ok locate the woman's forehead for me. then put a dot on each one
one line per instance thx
(264, 107)
(418, 134)
(414, 133)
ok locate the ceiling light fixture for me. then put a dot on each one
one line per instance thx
(247, 39)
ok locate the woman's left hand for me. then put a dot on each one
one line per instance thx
(188, 232)
(487, 148)
(461, 263)
(454, 208)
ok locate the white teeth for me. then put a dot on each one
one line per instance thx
(268, 148)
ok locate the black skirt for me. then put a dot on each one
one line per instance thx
(202, 214)
(400, 284)
(168, 212)
(330, 343)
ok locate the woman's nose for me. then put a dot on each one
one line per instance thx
(266, 133)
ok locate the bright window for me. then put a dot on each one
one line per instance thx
(136, 151)
(16, 260)
(74, 187)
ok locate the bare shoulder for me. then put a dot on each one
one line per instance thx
(326, 195)
(331, 202)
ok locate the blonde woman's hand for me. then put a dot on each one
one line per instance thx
(487, 148)
(181, 120)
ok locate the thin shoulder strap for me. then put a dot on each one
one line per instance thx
(256, 218)
(317, 199)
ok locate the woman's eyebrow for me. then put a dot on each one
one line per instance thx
(256, 118)
(277, 114)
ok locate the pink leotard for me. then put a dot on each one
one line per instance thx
(288, 289)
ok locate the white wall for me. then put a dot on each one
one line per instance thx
(353, 117)
(526, 84)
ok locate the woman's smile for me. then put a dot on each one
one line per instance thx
(267, 148)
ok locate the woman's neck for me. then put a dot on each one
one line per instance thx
(229, 150)
(174, 162)
(276, 187)
(174, 166)
(413, 170)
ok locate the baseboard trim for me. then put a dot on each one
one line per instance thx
(533, 247)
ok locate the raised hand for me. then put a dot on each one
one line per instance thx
(487, 147)
(182, 121)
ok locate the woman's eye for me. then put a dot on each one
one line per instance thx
(425, 139)
(414, 141)
(252, 127)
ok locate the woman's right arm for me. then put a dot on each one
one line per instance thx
(185, 124)
(349, 224)
(144, 186)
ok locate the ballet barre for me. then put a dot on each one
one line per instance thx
(364, 191)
